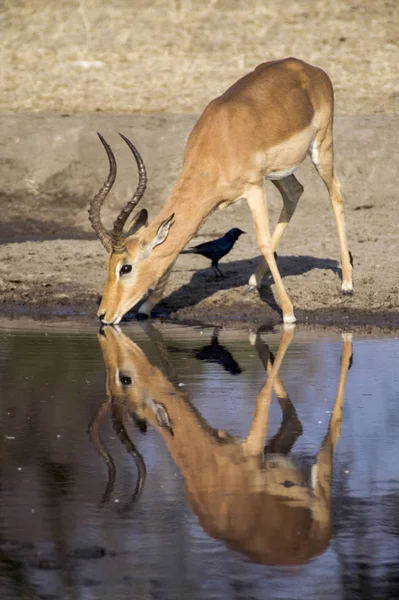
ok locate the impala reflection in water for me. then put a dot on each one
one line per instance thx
(253, 498)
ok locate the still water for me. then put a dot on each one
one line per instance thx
(167, 463)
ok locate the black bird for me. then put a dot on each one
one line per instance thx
(216, 249)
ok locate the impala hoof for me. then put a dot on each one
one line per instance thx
(252, 337)
(347, 337)
(289, 319)
(142, 316)
(347, 288)
(250, 288)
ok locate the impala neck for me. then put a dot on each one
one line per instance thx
(192, 200)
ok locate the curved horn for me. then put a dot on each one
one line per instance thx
(118, 243)
(96, 439)
(117, 421)
(96, 203)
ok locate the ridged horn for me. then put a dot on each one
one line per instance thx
(117, 421)
(118, 242)
(96, 203)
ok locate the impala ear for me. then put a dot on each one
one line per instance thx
(137, 222)
(163, 232)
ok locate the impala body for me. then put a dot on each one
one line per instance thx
(261, 504)
(261, 128)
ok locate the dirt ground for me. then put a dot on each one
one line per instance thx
(147, 69)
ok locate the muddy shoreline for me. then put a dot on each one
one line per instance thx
(365, 322)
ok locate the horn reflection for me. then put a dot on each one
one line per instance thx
(253, 497)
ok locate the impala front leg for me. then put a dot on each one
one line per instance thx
(258, 207)
(155, 296)
(290, 427)
(291, 190)
(255, 441)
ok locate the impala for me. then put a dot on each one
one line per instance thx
(262, 127)
(257, 501)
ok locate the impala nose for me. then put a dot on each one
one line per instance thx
(101, 316)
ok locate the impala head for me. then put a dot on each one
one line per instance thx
(132, 378)
(130, 276)
(119, 357)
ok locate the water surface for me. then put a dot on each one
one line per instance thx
(133, 465)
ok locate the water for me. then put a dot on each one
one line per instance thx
(118, 479)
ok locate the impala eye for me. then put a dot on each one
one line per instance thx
(125, 379)
(125, 269)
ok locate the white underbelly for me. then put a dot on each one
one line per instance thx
(282, 160)
(281, 174)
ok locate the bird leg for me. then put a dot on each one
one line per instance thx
(217, 271)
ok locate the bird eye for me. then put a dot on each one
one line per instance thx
(125, 379)
(125, 269)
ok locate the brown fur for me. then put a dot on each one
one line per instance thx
(263, 126)
(235, 489)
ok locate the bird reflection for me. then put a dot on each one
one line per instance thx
(213, 353)
(258, 502)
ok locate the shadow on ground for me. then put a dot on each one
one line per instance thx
(203, 283)
(27, 229)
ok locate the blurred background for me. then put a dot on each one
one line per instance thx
(175, 55)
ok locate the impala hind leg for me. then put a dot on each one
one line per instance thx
(322, 158)
(290, 190)
(256, 202)
(155, 296)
